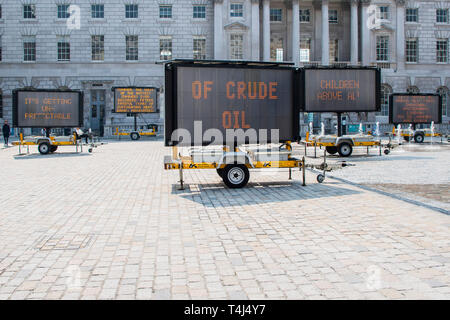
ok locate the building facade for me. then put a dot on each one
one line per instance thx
(95, 45)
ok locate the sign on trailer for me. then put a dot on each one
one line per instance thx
(230, 97)
(415, 108)
(47, 108)
(341, 89)
(135, 100)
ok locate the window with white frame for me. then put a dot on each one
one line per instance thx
(279, 55)
(412, 14)
(383, 13)
(63, 49)
(305, 50)
(199, 48)
(97, 11)
(236, 46)
(333, 16)
(385, 93)
(199, 12)
(131, 11)
(276, 15)
(442, 51)
(98, 47)
(442, 16)
(132, 48)
(165, 12)
(305, 15)
(334, 50)
(382, 48)
(29, 49)
(165, 48)
(29, 11)
(445, 94)
(62, 11)
(236, 10)
(412, 50)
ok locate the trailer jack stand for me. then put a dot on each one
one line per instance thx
(181, 187)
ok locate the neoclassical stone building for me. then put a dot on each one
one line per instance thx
(120, 42)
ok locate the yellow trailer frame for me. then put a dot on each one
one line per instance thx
(132, 134)
(50, 141)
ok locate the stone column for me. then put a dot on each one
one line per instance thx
(266, 30)
(255, 30)
(400, 32)
(295, 31)
(365, 34)
(325, 34)
(218, 31)
(354, 32)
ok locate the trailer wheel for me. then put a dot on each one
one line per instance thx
(406, 138)
(44, 148)
(53, 148)
(134, 136)
(419, 138)
(220, 172)
(320, 178)
(332, 150)
(235, 175)
(345, 149)
(387, 151)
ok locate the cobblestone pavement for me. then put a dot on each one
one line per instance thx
(112, 225)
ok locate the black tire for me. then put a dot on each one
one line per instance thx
(332, 150)
(53, 148)
(345, 149)
(320, 178)
(235, 176)
(387, 151)
(419, 138)
(406, 138)
(134, 136)
(220, 172)
(44, 148)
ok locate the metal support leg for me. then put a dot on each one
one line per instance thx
(315, 150)
(304, 171)
(324, 161)
(290, 174)
(181, 177)
(306, 148)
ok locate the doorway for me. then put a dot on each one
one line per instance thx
(97, 111)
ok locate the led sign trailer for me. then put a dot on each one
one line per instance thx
(230, 96)
(135, 100)
(47, 108)
(415, 108)
(341, 89)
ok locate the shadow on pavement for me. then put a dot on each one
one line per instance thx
(25, 156)
(218, 195)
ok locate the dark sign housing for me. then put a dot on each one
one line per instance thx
(230, 95)
(135, 100)
(415, 108)
(47, 108)
(330, 89)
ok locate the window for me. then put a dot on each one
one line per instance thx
(383, 13)
(29, 11)
(29, 49)
(236, 46)
(279, 55)
(63, 49)
(411, 50)
(63, 11)
(442, 51)
(165, 47)
(1, 105)
(385, 93)
(412, 15)
(383, 48)
(199, 12)
(276, 49)
(305, 15)
(305, 50)
(132, 48)
(98, 11)
(165, 12)
(276, 15)
(1, 46)
(236, 10)
(334, 50)
(0, 11)
(131, 11)
(98, 48)
(333, 16)
(199, 46)
(442, 15)
(445, 94)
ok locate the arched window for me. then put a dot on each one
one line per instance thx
(413, 90)
(444, 93)
(386, 90)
